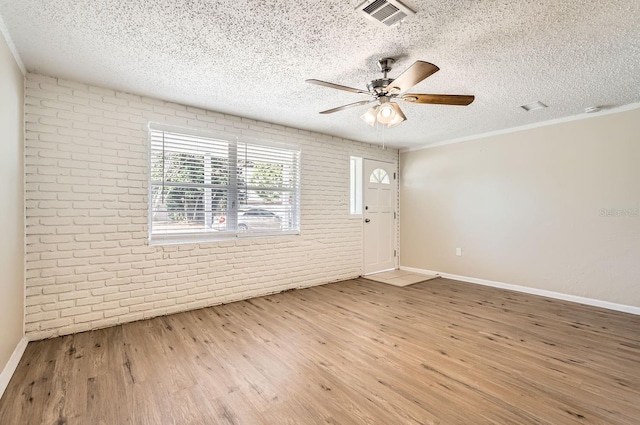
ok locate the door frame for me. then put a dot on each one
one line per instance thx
(396, 207)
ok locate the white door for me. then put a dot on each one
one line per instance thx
(379, 216)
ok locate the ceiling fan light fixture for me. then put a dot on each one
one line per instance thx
(386, 113)
(370, 116)
(398, 118)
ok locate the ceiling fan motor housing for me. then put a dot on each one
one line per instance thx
(378, 87)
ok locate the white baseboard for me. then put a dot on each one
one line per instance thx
(12, 364)
(527, 290)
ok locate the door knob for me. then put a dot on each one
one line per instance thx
(366, 220)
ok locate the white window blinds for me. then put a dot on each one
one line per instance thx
(206, 186)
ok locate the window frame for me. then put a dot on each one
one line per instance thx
(379, 178)
(356, 180)
(233, 190)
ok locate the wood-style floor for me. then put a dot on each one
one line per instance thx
(354, 352)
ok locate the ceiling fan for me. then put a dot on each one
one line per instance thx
(383, 90)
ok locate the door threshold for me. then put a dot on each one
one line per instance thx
(399, 277)
(380, 271)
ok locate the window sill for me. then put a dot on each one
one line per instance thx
(206, 238)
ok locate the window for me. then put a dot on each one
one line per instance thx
(207, 186)
(355, 188)
(379, 176)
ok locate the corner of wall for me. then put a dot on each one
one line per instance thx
(24, 206)
(7, 37)
(12, 364)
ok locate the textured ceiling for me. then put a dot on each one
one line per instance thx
(251, 58)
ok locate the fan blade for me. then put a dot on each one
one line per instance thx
(351, 105)
(412, 76)
(336, 86)
(439, 99)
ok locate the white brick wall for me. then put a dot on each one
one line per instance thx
(89, 264)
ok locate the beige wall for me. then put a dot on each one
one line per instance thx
(527, 208)
(12, 211)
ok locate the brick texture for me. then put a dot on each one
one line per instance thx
(88, 261)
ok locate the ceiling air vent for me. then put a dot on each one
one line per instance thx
(385, 12)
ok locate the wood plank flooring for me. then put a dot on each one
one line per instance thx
(354, 352)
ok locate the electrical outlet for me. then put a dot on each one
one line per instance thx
(459, 252)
